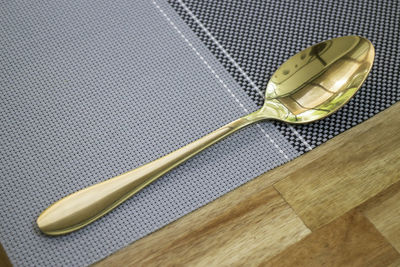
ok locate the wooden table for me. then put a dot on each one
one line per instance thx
(337, 205)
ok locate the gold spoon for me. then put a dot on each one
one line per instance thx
(309, 86)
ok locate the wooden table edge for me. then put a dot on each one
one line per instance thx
(287, 168)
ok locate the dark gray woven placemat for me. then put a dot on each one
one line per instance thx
(252, 38)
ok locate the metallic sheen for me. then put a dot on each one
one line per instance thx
(309, 86)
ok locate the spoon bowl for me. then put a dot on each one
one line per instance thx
(309, 86)
(318, 81)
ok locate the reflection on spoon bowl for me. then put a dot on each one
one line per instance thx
(319, 80)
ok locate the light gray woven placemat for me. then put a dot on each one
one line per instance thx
(91, 89)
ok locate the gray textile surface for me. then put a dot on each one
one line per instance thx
(90, 89)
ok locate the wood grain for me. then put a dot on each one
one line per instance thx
(395, 264)
(164, 245)
(4, 260)
(251, 229)
(245, 224)
(354, 167)
(240, 221)
(384, 212)
(350, 240)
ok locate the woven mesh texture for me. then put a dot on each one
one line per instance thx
(258, 36)
(91, 89)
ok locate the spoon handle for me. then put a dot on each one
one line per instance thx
(87, 205)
